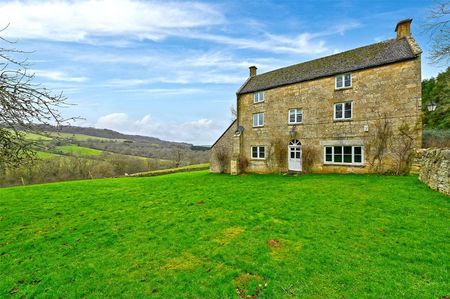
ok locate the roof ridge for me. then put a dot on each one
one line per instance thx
(368, 56)
(328, 56)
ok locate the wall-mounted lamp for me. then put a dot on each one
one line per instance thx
(293, 132)
(431, 106)
(239, 131)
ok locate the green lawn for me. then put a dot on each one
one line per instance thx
(201, 235)
(78, 150)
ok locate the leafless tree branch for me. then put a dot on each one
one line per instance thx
(23, 104)
(437, 25)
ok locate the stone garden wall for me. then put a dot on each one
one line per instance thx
(433, 167)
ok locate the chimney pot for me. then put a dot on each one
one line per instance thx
(252, 71)
(403, 28)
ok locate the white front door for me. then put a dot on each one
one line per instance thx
(295, 156)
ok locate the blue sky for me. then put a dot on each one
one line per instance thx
(170, 69)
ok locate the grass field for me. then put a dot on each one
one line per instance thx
(45, 155)
(78, 150)
(81, 137)
(37, 137)
(201, 235)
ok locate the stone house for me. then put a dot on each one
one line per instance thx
(356, 111)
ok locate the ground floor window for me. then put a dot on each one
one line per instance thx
(352, 155)
(258, 152)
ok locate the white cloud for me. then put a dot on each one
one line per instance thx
(303, 43)
(213, 67)
(200, 131)
(128, 82)
(164, 91)
(114, 121)
(57, 76)
(91, 21)
(83, 20)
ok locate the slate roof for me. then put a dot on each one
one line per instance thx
(389, 51)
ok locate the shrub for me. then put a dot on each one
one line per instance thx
(278, 155)
(309, 155)
(243, 163)
(436, 138)
(221, 154)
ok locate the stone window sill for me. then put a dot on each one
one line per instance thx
(343, 88)
(342, 120)
(343, 164)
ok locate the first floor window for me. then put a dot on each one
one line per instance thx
(258, 119)
(343, 155)
(258, 152)
(295, 116)
(258, 97)
(343, 110)
(343, 81)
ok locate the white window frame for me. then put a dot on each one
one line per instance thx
(342, 155)
(296, 113)
(258, 150)
(343, 110)
(258, 97)
(342, 76)
(257, 124)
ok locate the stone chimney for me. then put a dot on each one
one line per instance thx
(403, 28)
(252, 71)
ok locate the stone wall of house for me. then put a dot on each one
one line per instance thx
(433, 167)
(390, 93)
(224, 147)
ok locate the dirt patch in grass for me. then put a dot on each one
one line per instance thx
(283, 249)
(249, 285)
(274, 243)
(186, 261)
(229, 234)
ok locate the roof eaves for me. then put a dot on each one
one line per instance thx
(243, 85)
(223, 133)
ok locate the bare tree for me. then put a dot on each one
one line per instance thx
(23, 104)
(233, 113)
(404, 150)
(178, 156)
(438, 27)
(379, 143)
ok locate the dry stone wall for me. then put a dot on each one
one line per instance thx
(433, 167)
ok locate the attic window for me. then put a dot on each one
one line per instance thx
(258, 97)
(343, 81)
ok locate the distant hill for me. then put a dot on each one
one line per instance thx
(115, 142)
(71, 152)
(110, 134)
